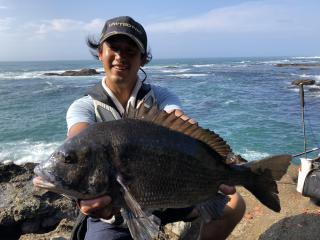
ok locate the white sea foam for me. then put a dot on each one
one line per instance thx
(228, 102)
(101, 70)
(251, 155)
(21, 75)
(26, 151)
(175, 70)
(273, 62)
(157, 67)
(188, 75)
(203, 65)
(312, 57)
(315, 77)
(37, 74)
(245, 61)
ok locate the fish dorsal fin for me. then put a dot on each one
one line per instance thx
(176, 123)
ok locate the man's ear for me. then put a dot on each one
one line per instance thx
(100, 50)
(143, 59)
(100, 55)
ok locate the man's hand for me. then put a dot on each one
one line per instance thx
(98, 207)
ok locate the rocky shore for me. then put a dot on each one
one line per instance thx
(25, 209)
(299, 218)
(28, 213)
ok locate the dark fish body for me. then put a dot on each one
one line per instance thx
(163, 168)
(160, 167)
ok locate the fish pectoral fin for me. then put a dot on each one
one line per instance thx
(141, 226)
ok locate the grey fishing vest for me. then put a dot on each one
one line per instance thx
(106, 110)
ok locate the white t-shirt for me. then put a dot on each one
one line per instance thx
(82, 109)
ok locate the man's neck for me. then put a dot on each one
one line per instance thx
(121, 91)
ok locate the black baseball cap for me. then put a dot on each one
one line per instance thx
(126, 26)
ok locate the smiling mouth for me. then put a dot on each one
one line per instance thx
(120, 67)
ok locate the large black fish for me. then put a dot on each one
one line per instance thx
(154, 160)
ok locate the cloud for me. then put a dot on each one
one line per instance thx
(94, 25)
(5, 23)
(57, 25)
(45, 28)
(254, 16)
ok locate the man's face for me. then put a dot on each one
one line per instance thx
(121, 60)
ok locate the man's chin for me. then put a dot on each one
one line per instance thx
(119, 80)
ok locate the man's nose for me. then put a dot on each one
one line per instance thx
(120, 53)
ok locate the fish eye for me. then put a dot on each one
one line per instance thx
(70, 158)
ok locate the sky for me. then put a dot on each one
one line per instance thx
(32, 30)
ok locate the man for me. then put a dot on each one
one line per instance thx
(122, 49)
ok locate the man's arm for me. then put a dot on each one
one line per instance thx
(77, 128)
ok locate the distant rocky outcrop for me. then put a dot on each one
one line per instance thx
(302, 65)
(312, 85)
(82, 72)
(303, 82)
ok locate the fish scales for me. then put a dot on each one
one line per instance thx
(172, 166)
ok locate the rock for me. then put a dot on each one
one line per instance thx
(25, 209)
(314, 89)
(266, 224)
(305, 224)
(298, 65)
(303, 82)
(304, 68)
(62, 232)
(82, 72)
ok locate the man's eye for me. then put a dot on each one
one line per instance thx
(131, 52)
(115, 49)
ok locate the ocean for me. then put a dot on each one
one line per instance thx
(250, 102)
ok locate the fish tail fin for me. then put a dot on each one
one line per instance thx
(265, 173)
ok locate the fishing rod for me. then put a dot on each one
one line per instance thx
(301, 83)
(308, 151)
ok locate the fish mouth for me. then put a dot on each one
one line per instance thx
(44, 175)
(43, 180)
(41, 183)
(48, 182)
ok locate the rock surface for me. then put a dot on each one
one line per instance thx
(303, 82)
(299, 219)
(27, 213)
(25, 209)
(82, 72)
